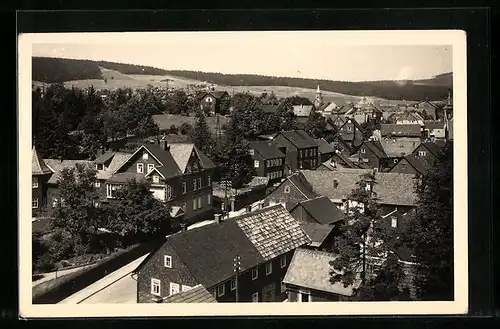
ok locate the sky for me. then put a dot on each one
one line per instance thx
(293, 55)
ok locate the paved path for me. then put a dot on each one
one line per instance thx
(115, 287)
(52, 275)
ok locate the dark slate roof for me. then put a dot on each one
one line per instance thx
(434, 148)
(408, 130)
(415, 163)
(209, 251)
(399, 147)
(311, 269)
(302, 185)
(267, 149)
(377, 148)
(300, 138)
(322, 210)
(169, 166)
(197, 294)
(324, 147)
(433, 125)
(104, 157)
(38, 166)
(316, 232)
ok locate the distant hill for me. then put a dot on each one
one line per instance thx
(62, 70)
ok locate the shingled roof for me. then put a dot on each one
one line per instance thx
(117, 160)
(209, 251)
(197, 294)
(38, 166)
(57, 166)
(400, 147)
(322, 210)
(311, 269)
(376, 148)
(403, 130)
(316, 232)
(391, 188)
(418, 165)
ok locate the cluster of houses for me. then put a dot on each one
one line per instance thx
(273, 240)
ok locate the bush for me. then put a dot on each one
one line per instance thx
(173, 129)
(185, 128)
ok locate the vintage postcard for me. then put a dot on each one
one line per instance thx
(253, 173)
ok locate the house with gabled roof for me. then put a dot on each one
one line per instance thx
(326, 150)
(434, 129)
(370, 154)
(409, 165)
(210, 101)
(428, 153)
(338, 160)
(428, 109)
(177, 173)
(396, 149)
(308, 278)
(351, 133)
(405, 118)
(268, 160)
(256, 246)
(301, 150)
(293, 190)
(40, 174)
(196, 294)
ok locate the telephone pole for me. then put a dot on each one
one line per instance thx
(237, 269)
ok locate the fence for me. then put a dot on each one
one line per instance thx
(93, 274)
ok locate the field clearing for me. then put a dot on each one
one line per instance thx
(164, 121)
(116, 80)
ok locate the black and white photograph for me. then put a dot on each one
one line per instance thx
(297, 172)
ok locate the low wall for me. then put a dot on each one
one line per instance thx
(93, 274)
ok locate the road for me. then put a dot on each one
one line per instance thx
(52, 275)
(116, 287)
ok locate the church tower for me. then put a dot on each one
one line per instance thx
(318, 101)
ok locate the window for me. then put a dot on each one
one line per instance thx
(34, 181)
(209, 181)
(394, 222)
(97, 184)
(184, 205)
(100, 166)
(255, 273)
(186, 288)
(140, 168)
(422, 153)
(156, 179)
(367, 187)
(155, 287)
(54, 202)
(287, 189)
(195, 203)
(300, 164)
(199, 202)
(221, 290)
(174, 288)
(269, 268)
(256, 163)
(395, 160)
(109, 191)
(233, 284)
(268, 163)
(251, 152)
(283, 261)
(96, 204)
(167, 261)
(151, 166)
(184, 188)
(145, 156)
(199, 182)
(255, 297)
(209, 199)
(34, 203)
(194, 184)
(363, 150)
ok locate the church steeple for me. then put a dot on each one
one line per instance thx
(318, 101)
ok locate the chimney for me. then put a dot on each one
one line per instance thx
(335, 183)
(60, 159)
(217, 218)
(249, 208)
(164, 145)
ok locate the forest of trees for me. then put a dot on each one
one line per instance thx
(60, 70)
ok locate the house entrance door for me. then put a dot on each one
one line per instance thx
(269, 293)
